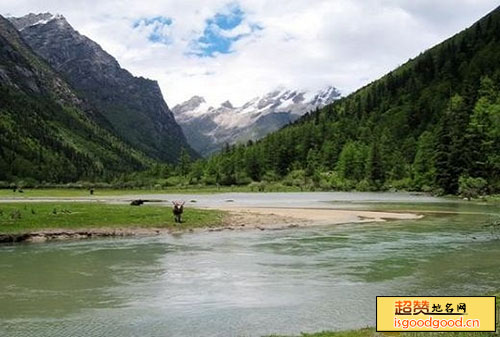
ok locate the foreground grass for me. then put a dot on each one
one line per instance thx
(27, 217)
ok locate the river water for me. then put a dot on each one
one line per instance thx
(250, 283)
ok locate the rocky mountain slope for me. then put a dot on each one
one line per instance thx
(47, 132)
(134, 106)
(208, 129)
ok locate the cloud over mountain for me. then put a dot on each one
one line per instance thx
(241, 49)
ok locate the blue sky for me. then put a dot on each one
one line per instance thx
(217, 37)
(219, 34)
(156, 26)
(212, 40)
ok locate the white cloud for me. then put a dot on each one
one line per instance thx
(303, 43)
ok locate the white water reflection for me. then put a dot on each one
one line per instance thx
(246, 283)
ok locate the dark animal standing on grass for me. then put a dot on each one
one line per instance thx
(91, 191)
(177, 210)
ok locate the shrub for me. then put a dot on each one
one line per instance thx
(270, 176)
(173, 181)
(364, 186)
(341, 184)
(242, 179)
(256, 186)
(404, 184)
(470, 187)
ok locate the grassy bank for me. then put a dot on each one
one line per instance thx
(28, 217)
(77, 192)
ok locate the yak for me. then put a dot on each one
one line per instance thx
(178, 209)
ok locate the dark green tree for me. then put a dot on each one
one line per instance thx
(374, 166)
(184, 162)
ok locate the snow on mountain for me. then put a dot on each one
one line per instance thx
(208, 128)
(33, 19)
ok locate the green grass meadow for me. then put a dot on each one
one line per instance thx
(26, 217)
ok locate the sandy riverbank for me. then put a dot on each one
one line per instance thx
(274, 217)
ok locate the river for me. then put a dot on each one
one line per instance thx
(250, 283)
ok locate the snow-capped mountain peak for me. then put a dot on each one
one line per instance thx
(191, 108)
(33, 19)
(227, 104)
(325, 96)
(208, 129)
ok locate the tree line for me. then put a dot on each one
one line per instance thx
(431, 125)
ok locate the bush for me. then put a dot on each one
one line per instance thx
(74, 185)
(426, 189)
(256, 186)
(341, 184)
(438, 191)
(404, 184)
(364, 186)
(242, 179)
(324, 183)
(209, 179)
(270, 176)
(295, 178)
(275, 187)
(470, 187)
(173, 181)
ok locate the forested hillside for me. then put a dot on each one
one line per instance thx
(47, 133)
(424, 126)
(133, 107)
